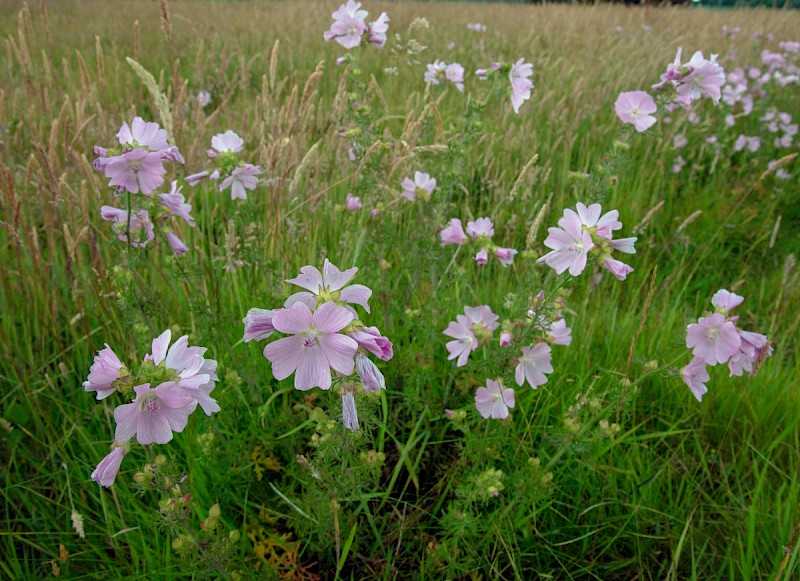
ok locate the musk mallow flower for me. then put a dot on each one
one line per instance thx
(482, 227)
(353, 203)
(371, 377)
(534, 365)
(314, 347)
(154, 415)
(140, 225)
(227, 142)
(370, 338)
(725, 301)
(137, 170)
(636, 108)
(141, 133)
(422, 185)
(483, 320)
(592, 217)
(329, 285)
(435, 72)
(348, 25)
(176, 204)
(453, 233)
(106, 472)
(177, 245)
(695, 375)
(713, 339)
(493, 401)
(570, 246)
(505, 255)
(106, 370)
(240, 180)
(559, 333)
(258, 324)
(376, 33)
(349, 411)
(464, 340)
(521, 84)
(454, 73)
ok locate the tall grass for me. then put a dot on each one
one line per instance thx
(685, 490)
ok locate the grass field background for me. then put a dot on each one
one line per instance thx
(684, 490)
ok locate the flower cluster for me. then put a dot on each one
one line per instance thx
(324, 334)
(439, 71)
(421, 186)
(230, 170)
(480, 231)
(583, 233)
(137, 165)
(168, 386)
(716, 339)
(350, 27)
(140, 227)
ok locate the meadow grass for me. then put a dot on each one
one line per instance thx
(684, 490)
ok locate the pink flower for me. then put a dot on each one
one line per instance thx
(370, 338)
(521, 84)
(695, 376)
(241, 179)
(481, 318)
(505, 255)
(353, 203)
(142, 133)
(704, 78)
(348, 26)
(493, 400)
(480, 227)
(141, 227)
(636, 108)
(570, 246)
(154, 414)
(453, 233)
(422, 185)
(505, 339)
(258, 325)
(315, 346)
(378, 29)
(176, 244)
(371, 377)
(329, 285)
(106, 472)
(560, 334)
(464, 340)
(349, 411)
(617, 268)
(106, 369)
(136, 170)
(228, 142)
(590, 218)
(533, 365)
(713, 339)
(196, 178)
(455, 74)
(174, 202)
(482, 257)
(435, 72)
(725, 301)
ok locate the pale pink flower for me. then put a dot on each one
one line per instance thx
(371, 377)
(704, 78)
(349, 411)
(534, 365)
(203, 97)
(176, 244)
(695, 375)
(619, 269)
(228, 142)
(505, 255)
(560, 334)
(241, 179)
(330, 285)
(453, 233)
(154, 414)
(455, 74)
(196, 178)
(315, 346)
(464, 340)
(494, 400)
(725, 301)
(435, 72)
(482, 257)
(590, 217)
(422, 185)
(143, 133)
(106, 472)
(370, 338)
(106, 369)
(378, 29)
(353, 203)
(349, 25)
(480, 227)
(636, 108)
(481, 318)
(141, 227)
(505, 339)
(713, 339)
(521, 84)
(570, 246)
(175, 203)
(136, 170)
(258, 324)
